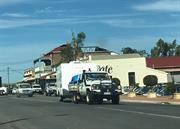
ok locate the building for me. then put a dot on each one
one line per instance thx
(44, 66)
(129, 68)
(170, 64)
(29, 75)
(95, 50)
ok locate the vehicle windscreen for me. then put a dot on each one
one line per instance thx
(97, 76)
(36, 87)
(52, 85)
(24, 86)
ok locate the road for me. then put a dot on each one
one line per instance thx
(41, 112)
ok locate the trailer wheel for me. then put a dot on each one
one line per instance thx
(89, 98)
(115, 99)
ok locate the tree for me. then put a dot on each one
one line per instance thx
(170, 88)
(128, 50)
(67, 53)
(163, 48)
(155, 52)
(172, 48)
(77, 43)
(116, 81)
(177, 51)
(150, 80)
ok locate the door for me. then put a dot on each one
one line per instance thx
(131, 76)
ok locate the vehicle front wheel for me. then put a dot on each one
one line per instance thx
(30, 95)
(100, 100)
(89, 98)
(75, 100)
(115, 99)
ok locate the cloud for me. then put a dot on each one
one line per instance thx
(15, 15)
(30, 22)
(106, 15)
(137, 23)
(50, 10)
(9, 2)
(160, 5)
(113, 21)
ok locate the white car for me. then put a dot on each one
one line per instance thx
(50, 89)
(24, 89)
(36, 88)
(3, 90)
(14, 91)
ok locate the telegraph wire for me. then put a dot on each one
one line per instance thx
(16, 62)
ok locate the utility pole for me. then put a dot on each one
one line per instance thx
(8, 75)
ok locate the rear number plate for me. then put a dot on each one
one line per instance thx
(107, 93)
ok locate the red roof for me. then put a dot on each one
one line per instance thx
(163, 62)
(55, 50)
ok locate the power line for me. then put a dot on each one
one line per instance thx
(16, 62)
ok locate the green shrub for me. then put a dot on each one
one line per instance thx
(150, 80)
(170, 88)
(116, 81)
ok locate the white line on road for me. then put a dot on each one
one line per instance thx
(141, 113)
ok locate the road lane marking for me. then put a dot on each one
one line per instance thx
(13, 121)
(141, 113)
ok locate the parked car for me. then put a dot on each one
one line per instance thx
(50, 89)
(3, 90)
(37, 88)
(14, 91)
(24, 89)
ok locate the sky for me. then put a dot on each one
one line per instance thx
(29, 28)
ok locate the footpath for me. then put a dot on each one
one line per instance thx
(144, 99)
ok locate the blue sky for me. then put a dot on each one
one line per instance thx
(29, 28)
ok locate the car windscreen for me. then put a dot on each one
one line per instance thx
(97, 76)
(36, 87)
(24, 86)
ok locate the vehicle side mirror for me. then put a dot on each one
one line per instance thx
(110, 77)
(80, 81)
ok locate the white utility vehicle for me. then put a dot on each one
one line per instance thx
(37, 88)
(24, 89)
(93, 87)
(65, 72)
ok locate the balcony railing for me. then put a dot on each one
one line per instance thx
(43, 69)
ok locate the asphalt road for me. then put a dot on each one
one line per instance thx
(41, 112)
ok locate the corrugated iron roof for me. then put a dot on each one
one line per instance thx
(55, 50)
(163, 62)
(106, 57)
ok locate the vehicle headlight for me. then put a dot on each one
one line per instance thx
(95, 86)
(20, 91)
